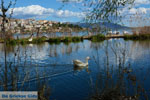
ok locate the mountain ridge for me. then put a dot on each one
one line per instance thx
(103, 25)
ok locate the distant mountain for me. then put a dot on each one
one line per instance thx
(105, 25)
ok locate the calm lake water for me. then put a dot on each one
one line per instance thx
(115, 64)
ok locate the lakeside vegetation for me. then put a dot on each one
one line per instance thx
(98, 38)
(74, 39)
(67, 39)
(43, 39)
(137, 37)
(112, 66)
(24, 41)
(139, 33)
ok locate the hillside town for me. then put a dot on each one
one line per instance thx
(32, 25)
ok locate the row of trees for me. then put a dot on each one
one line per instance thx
(66, 25)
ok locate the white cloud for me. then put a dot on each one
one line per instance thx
(140, 10)
(139, 2)
(67, 13)
(133, 11)
(37, 11)
(136, 17)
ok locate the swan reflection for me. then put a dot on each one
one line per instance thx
(81, 68)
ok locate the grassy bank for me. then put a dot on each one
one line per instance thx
(74, 39)
(137, 37)
(43, 39)
(56, 40)
(65, 39)
(98, 38)
(25, 41)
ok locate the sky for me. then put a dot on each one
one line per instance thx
(47, 10)
(70, 12)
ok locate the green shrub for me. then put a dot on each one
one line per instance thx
(39, 40)
(97, 38)
(137, 37)
(67, 39)
(77, 39)
(1, 40)
(22, 41)
(54, 40)
(11, 42)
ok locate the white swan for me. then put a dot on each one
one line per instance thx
(79, 63)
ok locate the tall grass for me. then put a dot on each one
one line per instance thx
(141, 30)
(140, 33)
(98, 37)
(65, 39)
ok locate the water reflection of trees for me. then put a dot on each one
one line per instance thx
(141, 44)
(34, 54)
(63, 49)
(17, 75)
(116, 78)
(138, 47)
(21, 57)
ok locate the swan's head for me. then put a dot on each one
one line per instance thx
(87, 58)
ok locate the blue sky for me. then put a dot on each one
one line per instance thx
(50, 10)
(47, 10)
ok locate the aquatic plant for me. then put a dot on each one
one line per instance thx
(17, 41)
(67, 39)
(39, 40)
(121, 85)
(54, 40)
(23, 41)
(77, 39)
(97, 38)
(137, 37)
(12, 42)
(1, 40)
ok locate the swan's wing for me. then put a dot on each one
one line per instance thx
(77, 62)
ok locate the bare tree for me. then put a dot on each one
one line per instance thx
(5, 19)
(103, 10)
(4, 10)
